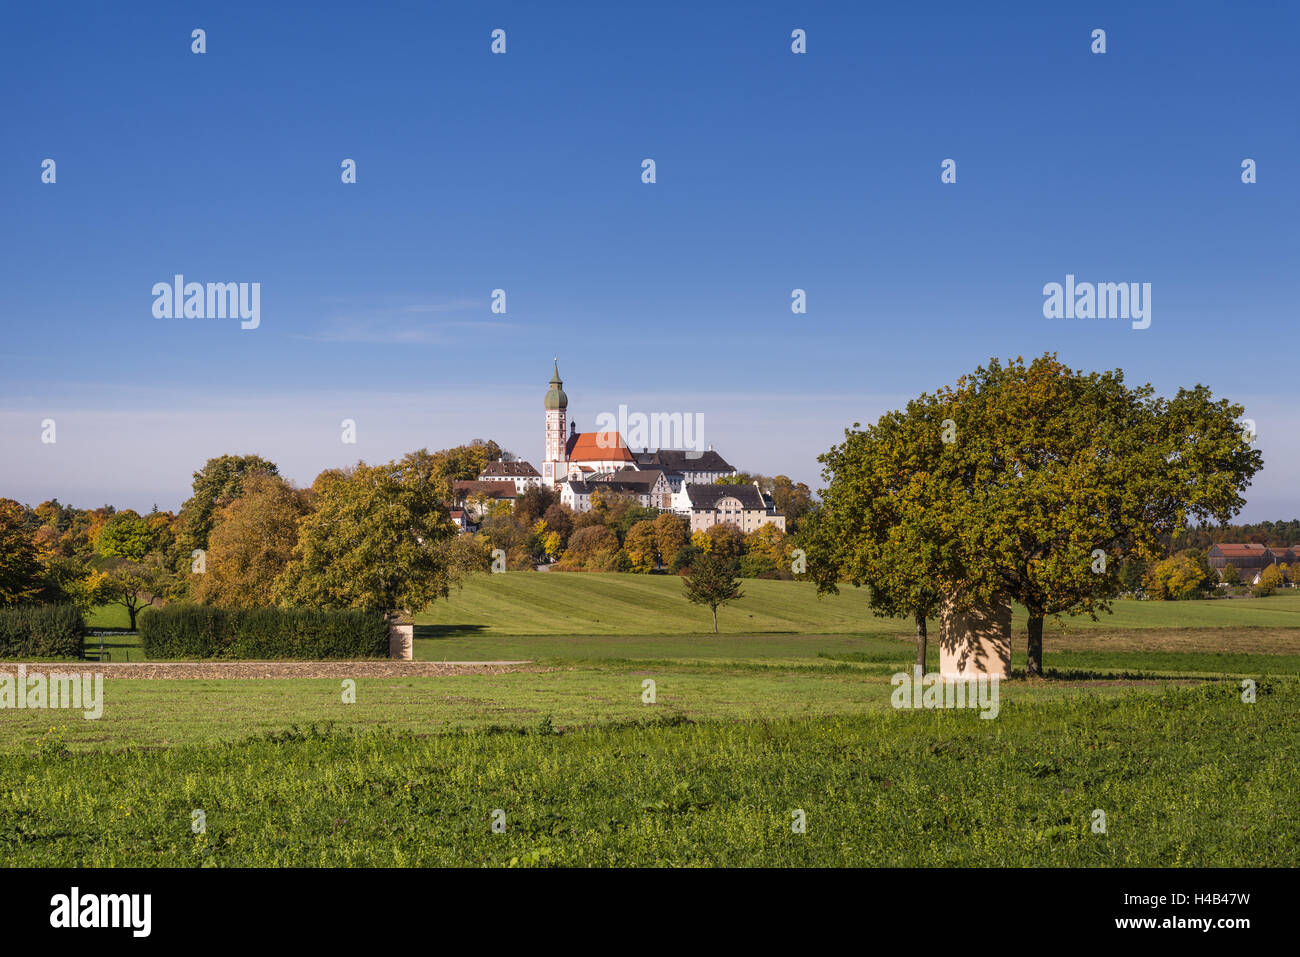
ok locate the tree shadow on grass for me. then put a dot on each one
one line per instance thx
(448, 631)
(1112, 674)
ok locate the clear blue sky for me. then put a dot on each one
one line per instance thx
(523, 172)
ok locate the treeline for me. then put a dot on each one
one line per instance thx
(1274, 534)
(367, 537)
(373, 537)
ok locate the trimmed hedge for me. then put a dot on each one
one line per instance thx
(42, 631)
(201, 631)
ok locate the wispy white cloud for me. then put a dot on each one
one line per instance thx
(395, 325)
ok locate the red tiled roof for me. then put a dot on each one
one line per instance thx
(598, 447)
(1241, 551)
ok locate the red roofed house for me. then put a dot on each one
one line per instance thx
(1249, 559)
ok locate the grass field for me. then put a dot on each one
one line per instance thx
(787, 709)
(1185, 777)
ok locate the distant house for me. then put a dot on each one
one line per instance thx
(649, 486)
(460, 518)
(469, 494)
(1249, 559)
(745, 506)
(521, 473)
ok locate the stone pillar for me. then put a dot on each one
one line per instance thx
(401, 637)
(975, 641)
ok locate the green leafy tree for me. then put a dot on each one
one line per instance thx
(1057, 474)
(1032, 482)
(375, 541)
(880, 525)
(126, 535)
(1230, 575)
(712, 581)
(134, 585)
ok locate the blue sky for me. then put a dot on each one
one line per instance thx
(522, 171)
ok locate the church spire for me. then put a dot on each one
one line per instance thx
(555, 397)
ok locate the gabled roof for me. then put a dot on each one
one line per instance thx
(684, 460)
(511, 468)
(645, 478)
(1241, 550)
(708, 496)
(605, 446)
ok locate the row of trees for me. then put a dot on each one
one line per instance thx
(360, 537)
(1025, 481)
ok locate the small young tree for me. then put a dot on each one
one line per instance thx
(712, 581)
(1230, 575)
(134, 585)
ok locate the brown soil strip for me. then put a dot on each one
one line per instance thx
(1253, 641)
(209, 670)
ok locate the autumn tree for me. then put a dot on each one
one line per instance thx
(20, 569)
(1270, 579)
(642, 547)
(712, 581)
(1175, 579)
(375, 540)
(559, 519)
(725, 541)
(672, 535)
(221, 480)
(251, 544)
(592, 547)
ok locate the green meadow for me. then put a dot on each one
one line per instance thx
(1141, 717)
(1184, 776)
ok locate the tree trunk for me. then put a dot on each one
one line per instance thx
(920, 641)
(130, 610)
(715, 618)
(1034, 658)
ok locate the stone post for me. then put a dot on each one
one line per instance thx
(401, 636)
(975, 641)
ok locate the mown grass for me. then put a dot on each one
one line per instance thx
(1186, 777)
(170, 713)
(602, 604)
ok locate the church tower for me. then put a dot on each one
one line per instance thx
(555, 466)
